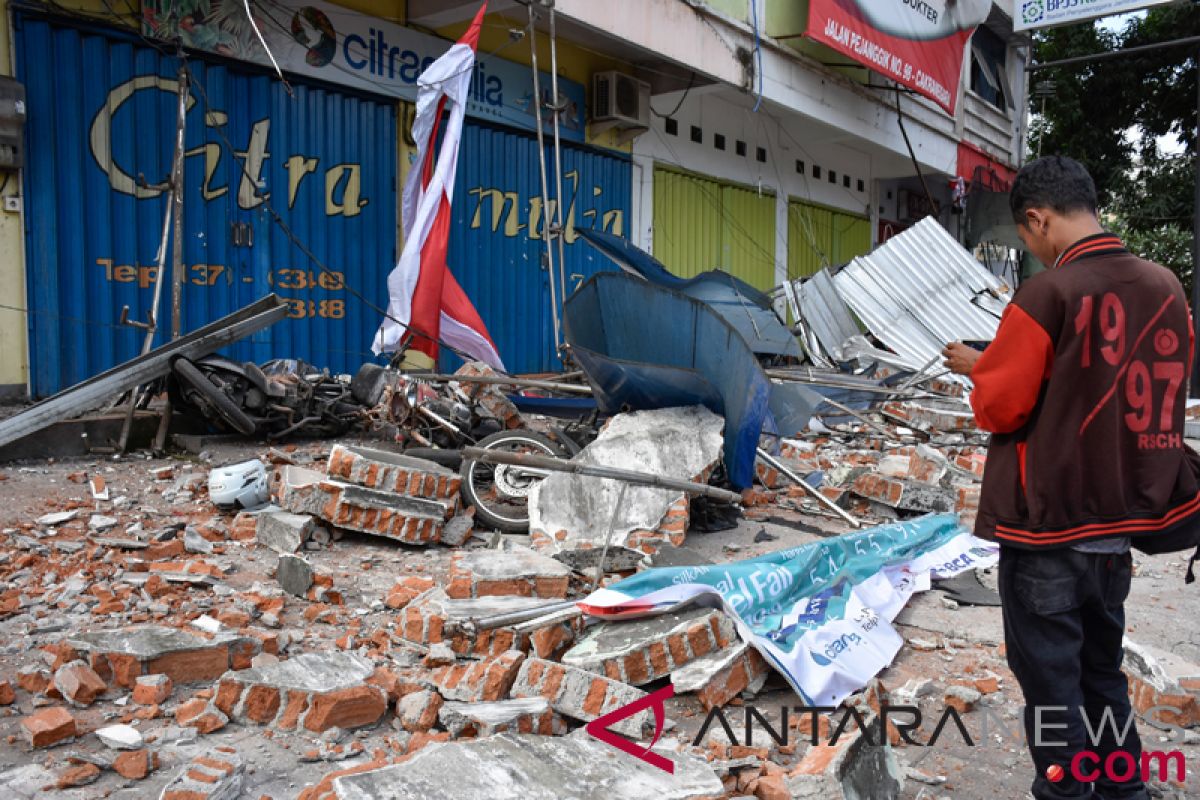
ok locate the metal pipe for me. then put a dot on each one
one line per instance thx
(612, 525)
(558, 170)
(541, 140)
(515, 617)
(783, 469)
(537, 623)
(177, 209)
(504, 380)
(597, 471)
(861, 418)
(1128, 51)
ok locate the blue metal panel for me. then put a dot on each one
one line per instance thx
(91, 242)
(496, 246)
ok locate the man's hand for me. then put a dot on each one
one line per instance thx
(960, 359)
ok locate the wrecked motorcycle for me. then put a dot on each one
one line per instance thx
(436, 420)
(280, 398)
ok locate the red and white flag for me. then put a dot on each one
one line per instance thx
(423, 294)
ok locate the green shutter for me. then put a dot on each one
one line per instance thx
(702, 224)
(820, 237)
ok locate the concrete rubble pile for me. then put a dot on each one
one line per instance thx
(343, 642)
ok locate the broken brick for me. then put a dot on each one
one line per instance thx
(48, 727)
(79, 683)
(489, 679)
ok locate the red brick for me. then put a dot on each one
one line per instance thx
(79, 683)
(49, 727)
(345, 708)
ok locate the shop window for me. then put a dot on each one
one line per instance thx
(989, 69)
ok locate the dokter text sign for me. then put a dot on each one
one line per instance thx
(917, 43)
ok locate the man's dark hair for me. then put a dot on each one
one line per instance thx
(1054, 182)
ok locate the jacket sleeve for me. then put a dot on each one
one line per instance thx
(1008, 376)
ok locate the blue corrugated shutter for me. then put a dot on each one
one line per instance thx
(496, 246)
(90, 246)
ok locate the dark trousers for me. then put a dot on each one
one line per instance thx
(1064, 620)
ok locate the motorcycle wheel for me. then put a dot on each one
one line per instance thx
(213, 398)
(500, 493)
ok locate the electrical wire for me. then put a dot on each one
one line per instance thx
(679, 105)
(267, 50)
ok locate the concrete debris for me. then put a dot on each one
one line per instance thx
(581, 695)
(569, 511)
(644, 650)
(719, 677)
(120, 737)
(283, 531)
(1162, 688)
(525, 767)
(311, 691)
(57, 518)
(525, 573)
(124, 656)
(852, 769)
(216, 774)
(531, 715)
(295, 575)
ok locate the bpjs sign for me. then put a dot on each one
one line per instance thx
(1033, 14)
(915, 728)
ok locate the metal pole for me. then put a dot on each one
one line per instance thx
(502, 380)
(550, 464)
(560, 201)
(771, 461)
(177, 275)
(1128, 51)
(541, 140)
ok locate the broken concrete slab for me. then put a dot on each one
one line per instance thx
(571, 511)
(719, 677)
(522, 572)
(56, 518)
(120, 737)
(1157, 695)
(581, 695)
(295, 575)
(125, 655)
(529, 715)
(216, 774)
(434, 617)
(313, 691)
(643, 650)
(527, 767)
(486, 680)
(283, 531)
(412, 520)
(853, 769)
(392, 472)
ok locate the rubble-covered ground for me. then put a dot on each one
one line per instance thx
(151, 645)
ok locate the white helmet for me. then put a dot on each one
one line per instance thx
(242, 485)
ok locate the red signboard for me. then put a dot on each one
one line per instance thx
(917, 43)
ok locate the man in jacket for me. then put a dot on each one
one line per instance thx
(1083, 389)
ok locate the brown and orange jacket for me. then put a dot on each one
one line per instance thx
(1084, 390)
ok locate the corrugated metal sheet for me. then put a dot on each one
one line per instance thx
(821, 237)
(825, 312)
(920, 290)
(496, 246)
(328, 164)
(702, 224)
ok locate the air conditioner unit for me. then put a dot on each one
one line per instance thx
(620, 101)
